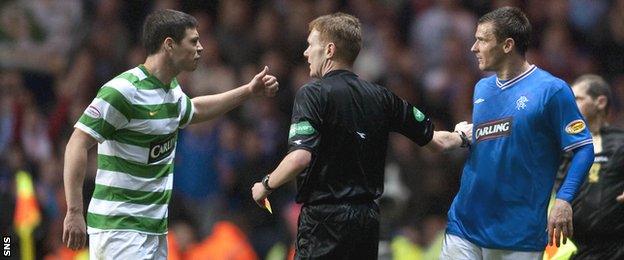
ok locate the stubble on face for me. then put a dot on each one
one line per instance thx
(584, 102)
(485, 47)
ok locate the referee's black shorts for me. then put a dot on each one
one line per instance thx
(338, 231)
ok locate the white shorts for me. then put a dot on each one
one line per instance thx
(127, 245)
(455, 247)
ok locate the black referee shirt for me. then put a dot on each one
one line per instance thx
(344, 122)
(596, 212)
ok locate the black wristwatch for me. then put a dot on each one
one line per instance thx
(265, 182)
(465, 142)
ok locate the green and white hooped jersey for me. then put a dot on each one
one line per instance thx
(135, 118)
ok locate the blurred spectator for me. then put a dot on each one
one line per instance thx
(196, 179)
(225, 242)
(609, 41)
(39, 34)
(212, 76)
(268, 34)
(265, 230)
(7, 120)
(429, 30)
(108, 42)
(234, 32)
(585, 14)
(35, 141)
(230, 155)
(72, 93)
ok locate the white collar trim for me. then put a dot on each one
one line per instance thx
(518, 78)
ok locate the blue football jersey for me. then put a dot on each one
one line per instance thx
(521, 128)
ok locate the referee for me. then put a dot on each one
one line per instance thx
(598, 208)
(338, 140)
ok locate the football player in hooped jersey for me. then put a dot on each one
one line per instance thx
(135, 118)
(523, 118)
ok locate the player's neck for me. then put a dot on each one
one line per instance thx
(594, 127)
(331, 65)
(159, 67)
(596, 123)
(512, 67)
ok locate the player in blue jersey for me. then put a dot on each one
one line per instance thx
(524, 118)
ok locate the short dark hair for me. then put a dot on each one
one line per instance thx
(165, 23)
(510, 22)
(342, 29)
(596, 86)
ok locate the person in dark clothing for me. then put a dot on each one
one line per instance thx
(338, 141)
(599, 206)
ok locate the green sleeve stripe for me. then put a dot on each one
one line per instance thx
(135, 138)
(114, 163)
(127, 222)
(117, 100)
(187, 113)
(98, 125)
(104, 192)
(106, 111)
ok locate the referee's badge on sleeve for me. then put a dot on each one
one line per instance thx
(418, 115)
(301, 128)
(575, 127)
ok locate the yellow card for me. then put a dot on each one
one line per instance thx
(267, 205)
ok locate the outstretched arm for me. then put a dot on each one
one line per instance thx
(74, 228)
(211, 106)
(443, 140)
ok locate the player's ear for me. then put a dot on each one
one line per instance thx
(330, 50)
(601, 102)
(168, 44)
(508, 45)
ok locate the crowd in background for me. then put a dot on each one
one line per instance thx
(56, 54)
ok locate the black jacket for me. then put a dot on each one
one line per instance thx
(344, 122)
